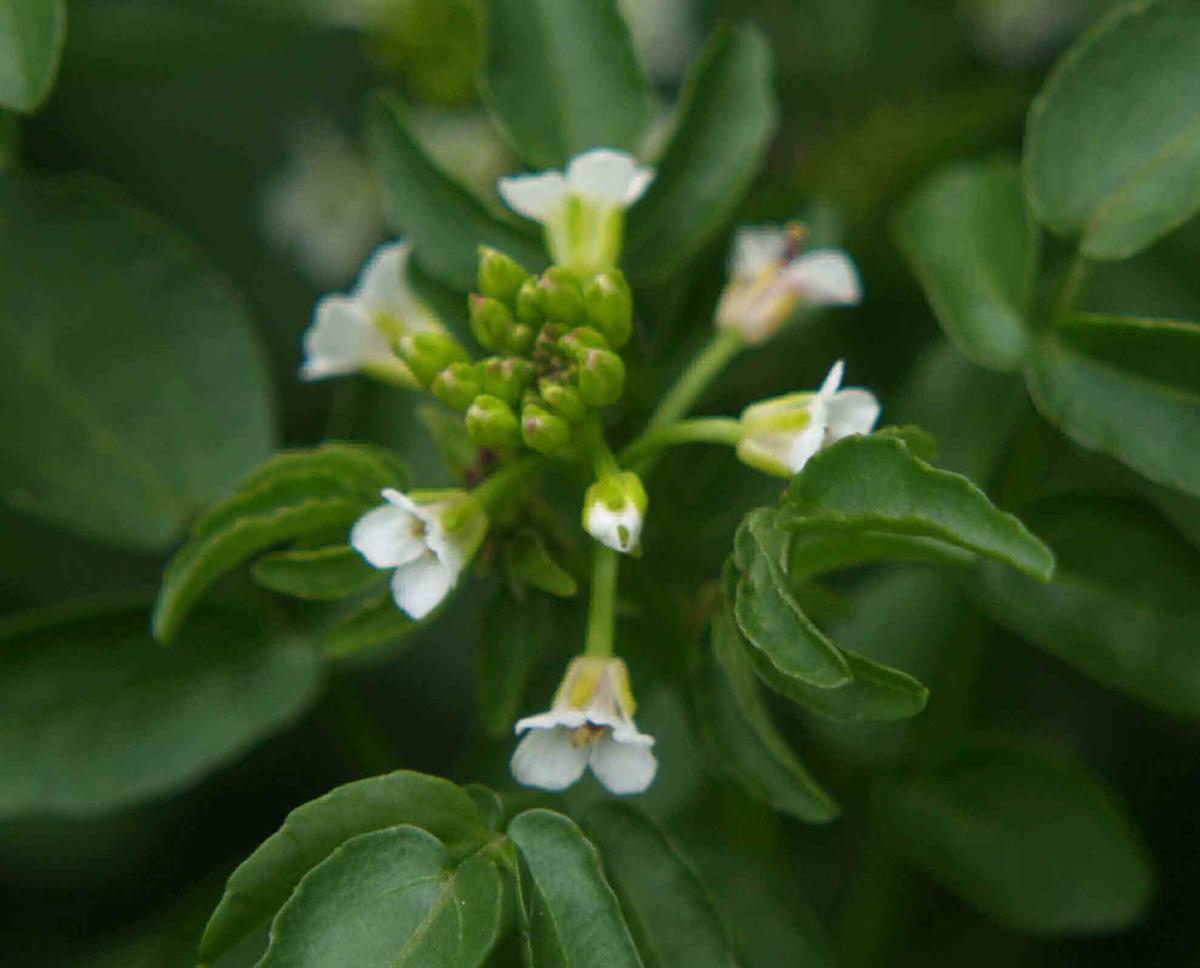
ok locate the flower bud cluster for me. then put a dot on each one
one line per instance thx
(554, 339)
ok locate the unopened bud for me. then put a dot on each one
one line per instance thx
(543, 431)
(520, 339)
(427, 354)
(500, 275)
(528, 304)
(491, 322)
(566, 401)
(561, 296)
(610, 307)
(601, 378)
(492, 423)
(613, 511)
(505, 377)
(582, 340)
(457, 385)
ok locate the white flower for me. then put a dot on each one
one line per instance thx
(613, 511)
(428, 537)
(583, 210)
(780, 435)
(590, 723)
(356, 332)
(770, 278)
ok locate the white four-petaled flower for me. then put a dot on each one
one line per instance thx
(427, 537)
(583, 209)
(357, 332)
(780, 435)
(590, 723)
(614, 509)
(770, 277)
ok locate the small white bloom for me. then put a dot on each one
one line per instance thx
(590, 723)
(770, 277)
(780, 435)
(427, 537)
(583, 209)
(356, 332)
(614, 509)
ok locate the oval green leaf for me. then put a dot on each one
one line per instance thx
(1099, 162)
(31, 41)
(972, 243)
(321, 574)
(368, 624)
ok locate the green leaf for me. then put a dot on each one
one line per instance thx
(312, 832)
(768, 615)
(374, 622)
(31, 41)
(726, 120)
(875, 484)
(1098, 164)
(970, 239)
(391, 897)
(150, 386)
(815, 550)
(514, 635)
(320, 574)
(1122, 606)
(445, 220)
(734, 722)
(527, 562)
(920, 442)
(574, 917)
(561, 78)
(10, 140)
(1031, 839)
(668, 907)
(295, 493)
(94, 715)
(1129, 388)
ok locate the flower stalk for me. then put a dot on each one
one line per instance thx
(602, 608)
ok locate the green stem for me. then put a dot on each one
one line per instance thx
(699, 430)
(496, 487)
(603, 606)
(595, 446)
(695, 378)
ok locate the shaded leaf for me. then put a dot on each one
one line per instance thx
(514, 635)
(527, 561)
(369, 624)
(31, 41)
(320, 574)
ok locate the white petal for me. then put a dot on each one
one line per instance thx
(341, 340)
(383, 284)
(548, 759)
(833, 380)
(607, 176)
(567, 718)
(620, 530)
(420, 585)
(852, 411)
(386, 538)
(825, 277)
(534, 196)
(623, 767)
(755, 249)
(804, 445)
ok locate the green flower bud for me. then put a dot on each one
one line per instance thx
(581, 340)
(543, 431)
(520, 339)
(500, 275)
(457, 385)
(566, 401)
(528, 303)
(601, 378)
(491, 322)
(610, 307)
(492, 423)
(561, 296)
(505, 377)
(427, 354)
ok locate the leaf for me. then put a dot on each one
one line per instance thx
(449, 433)
(391, 897)
(920, 442)
(815, 550)
(10, 140)
(295, 493)
(514, 635)
(447, 222)
(726, 120)
(95, 716)
(31, 41)
(875, 484)
(321, 574)
(152, 394)
(1129, 388)
(312, 832)
(1097, 163)
(971, 241)
(574, 917)
(528, 562)
(561, 78)
(735, 723)
(670, 911)
(769, 616)
(369, 624)
(1122, 607)
(1031, 839)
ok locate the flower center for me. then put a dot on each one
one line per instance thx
(588, 733)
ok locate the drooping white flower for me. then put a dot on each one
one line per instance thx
(770, 277)
(428, 537)
(780, 435)
(582, 210)
(357, 332)
(590, 723)
(614, 509)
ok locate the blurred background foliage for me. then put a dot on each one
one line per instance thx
(239, 121)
